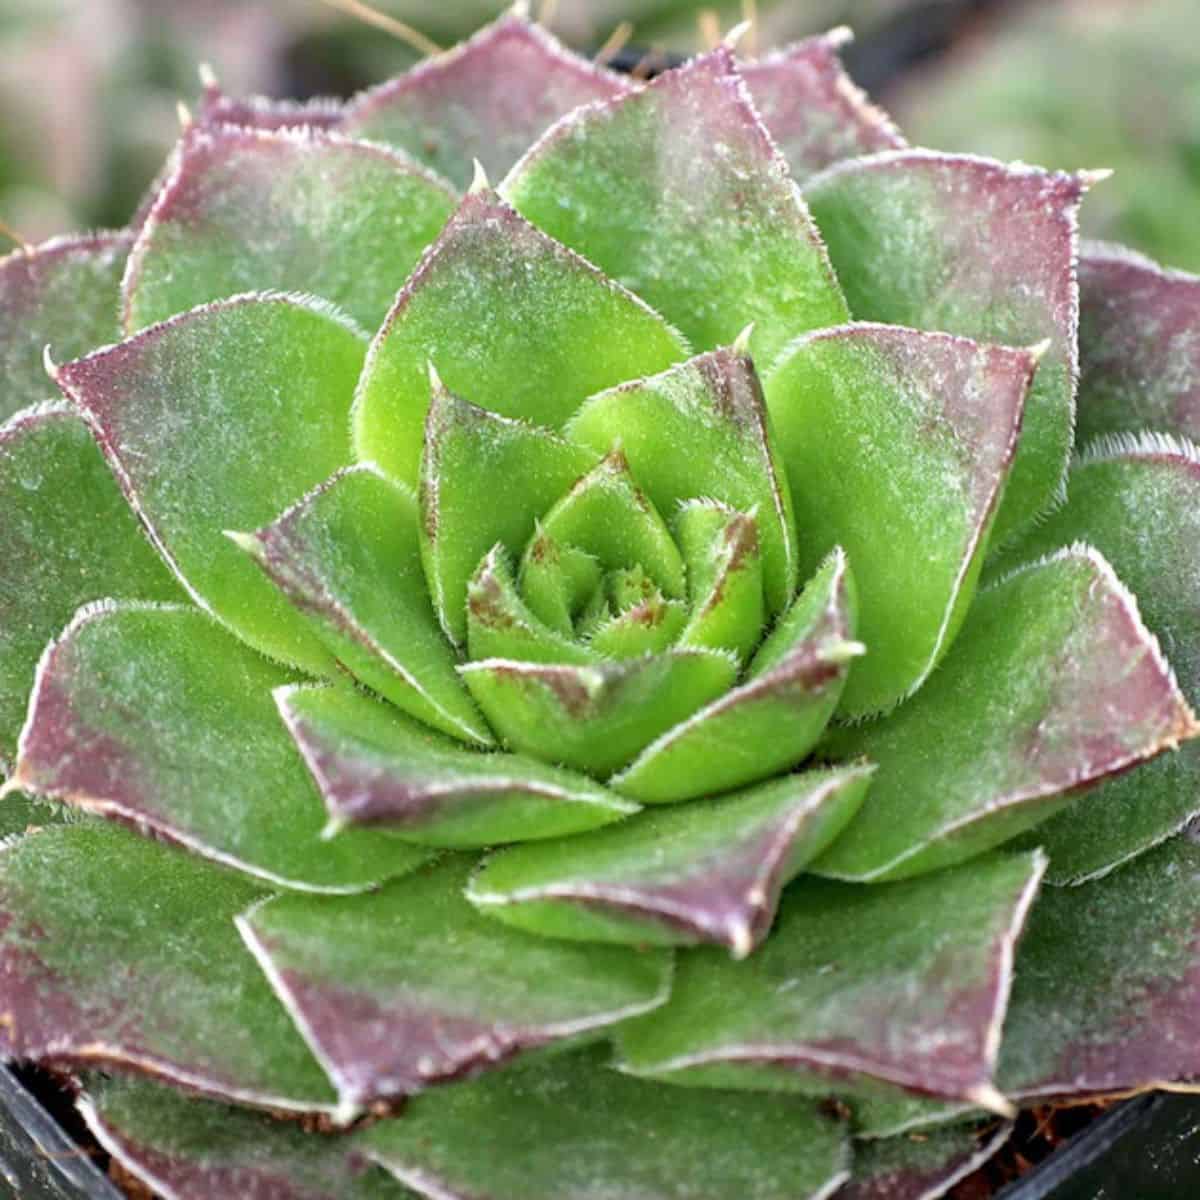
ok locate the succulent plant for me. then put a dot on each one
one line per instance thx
(552, 746)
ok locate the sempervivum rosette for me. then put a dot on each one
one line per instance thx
(644, 690)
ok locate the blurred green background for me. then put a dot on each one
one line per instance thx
(88, 88)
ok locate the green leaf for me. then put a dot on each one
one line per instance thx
(902, 985)
(567, 1129)
(724, 570)
(650, 626)
(295, 209)
(710, 871)
(1138, 502)
(898, 445)
(61, 294)
(1108, 983)
(67, 537)
(192, 1149)
(153, 714)
(556, 581)
(386, 987)
(595, 718)
(512, 320)
(812, 108)
(772, 720)
(374, 765)
(1139, 359)
(921, 1166)
(217, 420)
(1054, 684)
(486, 99)
(974, 247)
(120, 951)
(471, 453)
(348, 557)
(607, 515)
(701, 430)
(677, 191)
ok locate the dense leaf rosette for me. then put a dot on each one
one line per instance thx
(638, 620)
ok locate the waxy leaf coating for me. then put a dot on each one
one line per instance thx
(373, 765)
(710, 871)
(385, 986)
(61, 294)
(973, 247)
(1054, 684)
(917, 435)
(348, 555)
(903, 984)
(678, 192)
(490, 281)
(567, 1128)
(487, 99)
(173, 994)
(217, 420)
(153, 714)
(295, 210)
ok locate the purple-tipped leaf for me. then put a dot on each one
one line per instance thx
(904, 985)
(386, 987)
(813, 109)
(898, 445)
(118, 951)
(265, 112)
(971, 246)
(1139, 354)
(61, 294)
(568, 1128)
(154, 715)
(678, 191)
(486, 99)
(1054, 684)
(701, 429)
(295, 210)
(348, 556)
(375, 766)
(511, 320)
(595, 718)
(710, 871)
(773, 719)
(217, 420)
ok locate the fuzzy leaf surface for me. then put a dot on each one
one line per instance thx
(1139, 505)
(217, 420)
(565, 1128)
(373, 764)
(155, 715)
(471, 453)
(348, 556)
(186, 1148)
(973, 247)
(66, 537)
(1139, 357)
(293, 210)
(710, 871)
(512, 320)
(595, 718)
(1054, 684)
(119, 950)
(1108, 982)
(898, 446)
(61, 294)
(386, 986)
(772, 720)
(677, 191)
(812, 108)
(486, 99)
(267, 112)
(701, 429)
(903, 984)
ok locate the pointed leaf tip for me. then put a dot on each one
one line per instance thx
(207, 76)
(731, 40)
(479, 180)
(48, 363)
